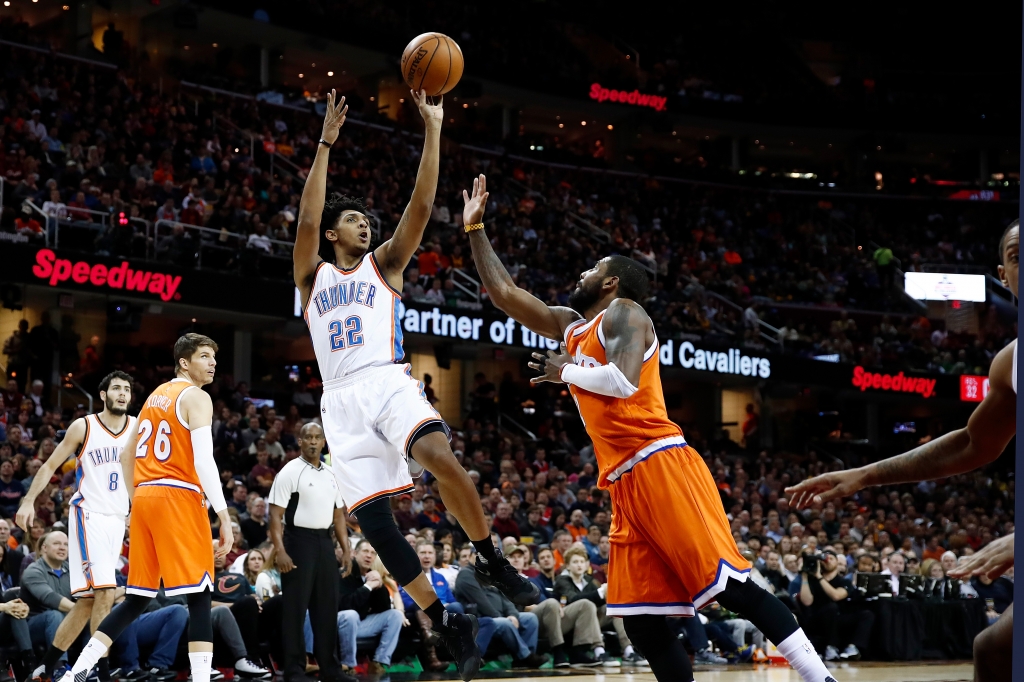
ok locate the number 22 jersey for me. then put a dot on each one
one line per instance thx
(353, 319)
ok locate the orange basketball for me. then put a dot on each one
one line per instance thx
(432, 62)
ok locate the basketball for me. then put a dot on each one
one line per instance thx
(432, 62)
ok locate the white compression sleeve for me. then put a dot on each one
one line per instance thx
(605, 380)
(206, 467)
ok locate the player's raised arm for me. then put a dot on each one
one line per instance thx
(395, 253)
(986, 435)
(523, 307)
(64, 451)
(305, 254)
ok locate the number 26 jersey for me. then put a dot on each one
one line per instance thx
(163, 452)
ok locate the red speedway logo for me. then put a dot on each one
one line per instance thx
(56, 270)
(897, 383)
(636, 98)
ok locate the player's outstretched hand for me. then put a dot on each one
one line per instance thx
(227, 540)
(550, 366)
(473, 212)
(26, 514)
(821, 489)
(433, 114)
(334, 118)
(992, 561)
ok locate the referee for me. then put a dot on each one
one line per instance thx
(307, 496)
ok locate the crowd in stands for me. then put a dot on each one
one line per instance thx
(87, 144)
(544, 507)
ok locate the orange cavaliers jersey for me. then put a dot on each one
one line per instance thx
(621, 429)
(163, 453)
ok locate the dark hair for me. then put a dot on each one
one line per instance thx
(335, 205)
(1002, 240)
(633, 280)
(116, 374)
(186, 346)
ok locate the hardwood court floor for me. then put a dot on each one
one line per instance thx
(939, 671)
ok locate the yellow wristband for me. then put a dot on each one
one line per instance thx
(474, 226)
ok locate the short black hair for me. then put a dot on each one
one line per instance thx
(633, 280)
(1002, 240)
(116, 374)
(335, 205)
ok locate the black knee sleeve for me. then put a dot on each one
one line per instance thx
(200, 622)
(122, 615)
(653, 638)
(379, 527)
(764, 610)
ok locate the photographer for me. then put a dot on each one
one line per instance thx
(830, 627)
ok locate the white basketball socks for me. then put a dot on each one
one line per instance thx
(91, 654)
(800, 653)
(201, 663)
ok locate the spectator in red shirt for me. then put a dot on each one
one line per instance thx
(404, 517)
(27, 225)
(504, 525)
(540, 461)
(430, 261)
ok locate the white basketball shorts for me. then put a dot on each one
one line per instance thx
(94, 550)
(371, 419)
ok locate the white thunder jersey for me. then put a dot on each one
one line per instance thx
(98, 475)
(353, 319)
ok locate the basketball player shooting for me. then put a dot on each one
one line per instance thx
(672, 550)
(172, 468)
(377, 420)
(97, 514)
(989, 430)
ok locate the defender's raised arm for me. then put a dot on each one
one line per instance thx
(523, 307)
(305, 254)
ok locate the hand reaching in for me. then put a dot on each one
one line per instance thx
(334, 118)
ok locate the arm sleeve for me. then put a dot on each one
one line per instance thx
(604, 380)
(206, 467)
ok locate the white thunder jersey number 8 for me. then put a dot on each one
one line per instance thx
(98, 474)
(353, 319)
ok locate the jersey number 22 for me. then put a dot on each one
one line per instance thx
(350, 333)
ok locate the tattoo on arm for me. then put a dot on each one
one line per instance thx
(492, 271)
(625, 339)
(939, 458)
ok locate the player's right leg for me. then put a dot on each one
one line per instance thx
(670, 501)
(461, 498)
(458, 632)
(414, 428)
(993, 650)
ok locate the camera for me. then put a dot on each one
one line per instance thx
(812, 563)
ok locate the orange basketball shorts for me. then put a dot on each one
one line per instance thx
(169, 539)
(671, 547)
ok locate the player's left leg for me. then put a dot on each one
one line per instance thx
(993, 650)
(662, 649)
(461, 498)
(68, 631)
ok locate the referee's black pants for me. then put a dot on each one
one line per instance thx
(312, 585)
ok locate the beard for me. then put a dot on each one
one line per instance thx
(115, 409)
(582, 299)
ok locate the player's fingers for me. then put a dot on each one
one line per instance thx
(538, 356)
(465, 196)
(533, 365)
